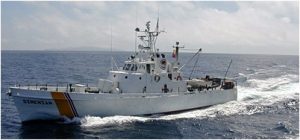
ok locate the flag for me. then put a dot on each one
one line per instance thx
(157, 24)
(174, 54)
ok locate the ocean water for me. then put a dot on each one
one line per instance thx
(267, 105)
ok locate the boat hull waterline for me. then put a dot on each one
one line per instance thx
(46, 105)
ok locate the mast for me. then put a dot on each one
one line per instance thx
(177, 50)
(111, 61)
(148, 38)
(135, 36)
(227, 69)
(156, 29)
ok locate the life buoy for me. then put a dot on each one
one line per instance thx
(178, 78)
(156, 78)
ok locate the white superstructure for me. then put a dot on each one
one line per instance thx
(147, 84)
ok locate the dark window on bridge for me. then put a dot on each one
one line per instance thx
(148, 68)
(170, 76)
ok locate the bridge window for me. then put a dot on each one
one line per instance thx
(148, 68)
(170, 76)
(126, 67)
(134, 68)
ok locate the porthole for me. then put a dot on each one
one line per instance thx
(140, 78)
(126, 77)
(114, 75)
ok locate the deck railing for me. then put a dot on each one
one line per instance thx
(49, 87)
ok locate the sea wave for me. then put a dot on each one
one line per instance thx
(271, 84)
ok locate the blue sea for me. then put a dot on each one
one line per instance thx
(267, 105)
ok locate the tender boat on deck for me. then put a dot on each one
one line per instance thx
(147, 84)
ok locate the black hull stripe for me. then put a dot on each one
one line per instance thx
(72, 109)
(71, 103)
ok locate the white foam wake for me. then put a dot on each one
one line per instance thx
(279, 87)
(92, 121)
(257, 94)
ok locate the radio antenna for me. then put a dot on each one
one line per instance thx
(111, 61)
(135, 35)
(156, 29)
(227, 69)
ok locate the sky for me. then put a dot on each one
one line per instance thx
(216, 27)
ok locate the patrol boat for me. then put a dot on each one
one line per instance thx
(147, 84)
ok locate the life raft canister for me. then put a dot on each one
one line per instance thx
(156, 78)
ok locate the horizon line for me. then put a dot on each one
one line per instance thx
(133, 52)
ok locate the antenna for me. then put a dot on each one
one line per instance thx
(227, 69)
(135, 36)
(156, 29)
(111, 61)
(157, 24)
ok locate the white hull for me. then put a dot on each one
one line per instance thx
(40, 105)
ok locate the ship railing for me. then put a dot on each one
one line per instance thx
(53, 87)
(44, 87)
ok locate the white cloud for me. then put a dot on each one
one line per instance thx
(255, 27)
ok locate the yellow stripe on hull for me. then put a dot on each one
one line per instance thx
(62, 104)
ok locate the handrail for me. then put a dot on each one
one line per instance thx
(46, 87)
